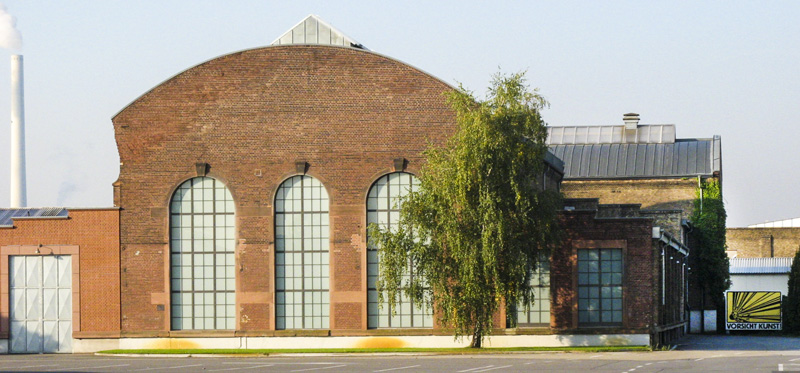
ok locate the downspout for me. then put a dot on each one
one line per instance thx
(700, 186)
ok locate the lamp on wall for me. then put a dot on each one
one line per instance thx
(39, 251)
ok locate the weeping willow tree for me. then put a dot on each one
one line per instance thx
(473, 229)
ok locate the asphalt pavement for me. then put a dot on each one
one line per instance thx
(695, 353)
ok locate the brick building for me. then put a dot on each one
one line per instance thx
(647, 165)
(247, 182)
(59, 278)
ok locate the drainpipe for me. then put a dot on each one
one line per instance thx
(700, 186)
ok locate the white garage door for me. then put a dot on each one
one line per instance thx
(41, 303)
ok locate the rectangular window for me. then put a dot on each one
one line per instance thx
(599, 287)
(538, 313)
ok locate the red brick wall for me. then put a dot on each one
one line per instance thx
(251, 115)
(96, 233)
(583, 231)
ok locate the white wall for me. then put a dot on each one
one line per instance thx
(762, 282)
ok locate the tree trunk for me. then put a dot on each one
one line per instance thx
(476, 340)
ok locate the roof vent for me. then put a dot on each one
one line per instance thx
(631, 121)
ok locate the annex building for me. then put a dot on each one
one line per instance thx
(245, 188)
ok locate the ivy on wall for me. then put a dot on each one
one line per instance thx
(711, 266)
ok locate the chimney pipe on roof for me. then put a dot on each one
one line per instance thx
(631, 121)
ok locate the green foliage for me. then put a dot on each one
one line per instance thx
(473, 229)
(791, 318)
(711, 266)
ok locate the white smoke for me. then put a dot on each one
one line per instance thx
(10, 37)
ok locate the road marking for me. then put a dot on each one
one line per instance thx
(36, 366)
(640, 366)
(486, 370)
(795, 359)
(475, 369)
(90, 367)
(247, 367)
(400, 368)
(331, 367)
(177, 367)
(648, 363)
(592, 357)
(780, 367)
(702, 358)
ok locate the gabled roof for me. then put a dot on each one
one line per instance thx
(648, 151)
(8, 215)
(313, 30)
(760, 265)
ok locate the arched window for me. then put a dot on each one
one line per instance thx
(202, 262)
(302, 298)
(383, 208)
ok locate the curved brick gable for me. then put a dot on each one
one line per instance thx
(251, 116)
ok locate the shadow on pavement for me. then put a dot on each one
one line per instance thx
(728, 342)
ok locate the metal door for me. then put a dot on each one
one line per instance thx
(41, 303)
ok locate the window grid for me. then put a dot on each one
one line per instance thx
(600, 286)
(202, 261)
(302, 255)
(539, 312)
(383, 209)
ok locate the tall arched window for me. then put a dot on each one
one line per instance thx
(383, 208)
(302, 298)
(202, 262)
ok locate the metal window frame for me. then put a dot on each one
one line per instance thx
(302, 213)
(519, 308)
(599, 285)
(194, 320)
(416, 310)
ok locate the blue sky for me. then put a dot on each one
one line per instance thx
(726, 68)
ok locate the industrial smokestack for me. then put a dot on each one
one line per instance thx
(18, 189)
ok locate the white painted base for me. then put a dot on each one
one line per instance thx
(710, 321)
(695, 326)
(94, 345)
(3, 346)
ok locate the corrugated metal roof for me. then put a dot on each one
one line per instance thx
(7, 215)
(313, 30)
(684, 157)
(760, 265)
(554, 161)
(786, 223)
(643, 134)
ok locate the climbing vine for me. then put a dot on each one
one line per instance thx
(711, 266)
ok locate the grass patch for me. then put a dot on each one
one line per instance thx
(223, 351)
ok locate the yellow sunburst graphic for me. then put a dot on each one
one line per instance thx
(754, 306)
